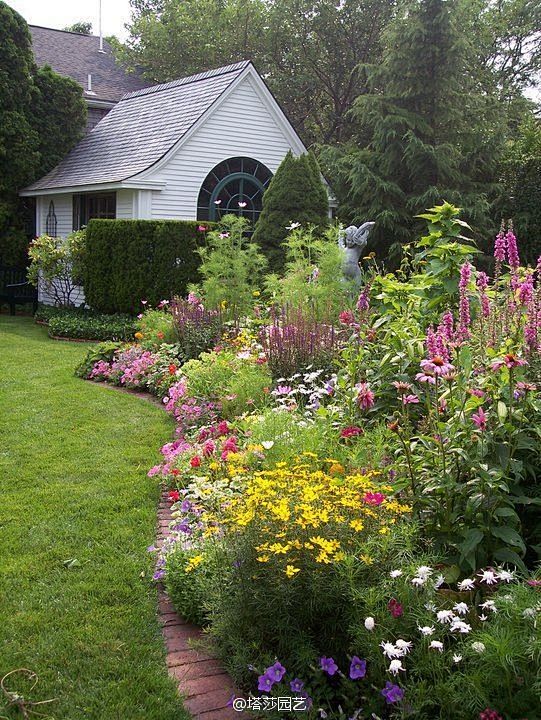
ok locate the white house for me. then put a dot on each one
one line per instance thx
(189, 149)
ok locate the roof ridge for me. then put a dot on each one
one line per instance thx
(188, 80)
(69, 32)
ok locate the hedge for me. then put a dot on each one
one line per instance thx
(130, 260)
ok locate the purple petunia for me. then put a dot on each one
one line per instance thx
(328, 665)
(357, 669)
(392, 693)
(296, 685)
(158, 575)
(275, 672)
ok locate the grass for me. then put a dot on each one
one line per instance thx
(77, 513)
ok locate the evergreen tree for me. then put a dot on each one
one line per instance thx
(423, 131)
(42, 115)
(295, 194)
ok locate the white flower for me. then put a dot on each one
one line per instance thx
(403, 645)
(430, 607)
(418, 581)
(267, 444)
(466, 584)
(457, 658)
(390, 651)
(436, 645)
(483, 618)
(506, 576)
(529, 613)
(217, 202)
(293, 226)
(461, 608)
(479, 647)
(369, 623)
(489, 605)
(439, 582)
(460, 626)
(424, 571)
(489, 577)
(395, 573)
(395, 667)
(445, 616)
(426, 630)
(242, 204)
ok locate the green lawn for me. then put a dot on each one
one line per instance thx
(77, 513)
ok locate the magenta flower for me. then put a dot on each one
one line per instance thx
(436, 366)
(371, 498)
(347, 317)
(351, 431)
(526, 290)
(395, 608)
(363, 302)
(365, 396)
(357, 669)
(447, 325)
(464, 320)
(512, 249)
(409, 399)
(510, 361)
(480, 419)
(500, 245)
(482, 286)
(328, 665)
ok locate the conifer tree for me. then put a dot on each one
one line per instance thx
(420, 130)
(295, 194)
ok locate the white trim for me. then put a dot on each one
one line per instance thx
(268, 100)
(142, 205)
(98, 187)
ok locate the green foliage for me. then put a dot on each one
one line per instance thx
(82, 27)
(313, 280)
(128, 261)
(236, 384)
(56, 263)
(105, 351)
(188, 590)
(296, 194)
(92, 326)
(155, 328)
(231, 267)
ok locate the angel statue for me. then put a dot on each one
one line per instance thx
(353, 241)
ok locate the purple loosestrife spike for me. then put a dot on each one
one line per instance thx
(500, 245)
(512, 248)
(464, 302)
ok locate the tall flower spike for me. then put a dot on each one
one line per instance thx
(512, 248)
(464, 302)
(500, 245)
(482, 285)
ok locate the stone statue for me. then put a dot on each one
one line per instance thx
(353, 241)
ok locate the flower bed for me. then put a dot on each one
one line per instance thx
(361, 534)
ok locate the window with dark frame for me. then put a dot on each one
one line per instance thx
(93, 205)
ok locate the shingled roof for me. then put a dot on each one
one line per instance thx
(77, 56)
(140, 130)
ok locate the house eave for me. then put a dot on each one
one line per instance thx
(98, 187)
(97, 103)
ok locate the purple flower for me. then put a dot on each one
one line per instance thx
(265, 683)
(512, 248)
(296, 685)
(500, 245)
(357, 669)
(464, 302)
(151, 548)
(275, 672)
(158, 575)
(392, 693)
(328, 665)
(186, 506)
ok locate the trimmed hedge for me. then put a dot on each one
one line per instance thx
(130, 260)
(84, 324)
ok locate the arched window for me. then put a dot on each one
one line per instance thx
(234, 186)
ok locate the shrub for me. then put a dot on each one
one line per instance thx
(104, 353)
(296, 193)
(131, 260)
(231, 266)
(56, 263)
(92, 326)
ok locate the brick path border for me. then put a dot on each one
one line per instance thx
(199, 676)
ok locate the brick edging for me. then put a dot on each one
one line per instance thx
(199, 675)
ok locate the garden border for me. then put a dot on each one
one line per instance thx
(200, 677)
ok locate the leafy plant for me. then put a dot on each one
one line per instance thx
(56, 262)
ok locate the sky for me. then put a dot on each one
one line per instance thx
(59, 13)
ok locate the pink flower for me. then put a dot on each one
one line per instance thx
(525, 291)
(195, 462)
(500, 245)
(351, 431)
(347, 317)
(409, 399)
(482, 285)
(480, 419)
(395, 608)
(436, 366)
(464, 302)
(510, 360)
(371, 498)
(512, 249)
(208, 448)
(202, 228)
(363, 302)
(365, 396)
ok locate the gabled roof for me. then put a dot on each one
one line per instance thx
(77, 56)
(140, 130)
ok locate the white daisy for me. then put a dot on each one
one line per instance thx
(506, 575)
(466, 584)
(426, 630)
(479, 647)
(460, 626)
(418, 581)
(436, 645)
(439, 582)
(457, 658)
(424, 571)
(489, 605)
(445, 616)
(369, 623)
(403, 645)
(395, 573)
(489, 577)
(461, 608)
(396, 666)
(390, 651)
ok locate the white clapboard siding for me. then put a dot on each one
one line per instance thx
(63, 210)
(241, 126)
(124, 204)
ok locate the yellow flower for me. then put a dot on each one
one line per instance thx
(357, 525)
(383, 530)
(193, 563)
(290, 571)
(336, 469)
(256, 293)
(139, 335)
(367, 560)
(263, 558)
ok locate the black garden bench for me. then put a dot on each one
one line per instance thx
(15, 289)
